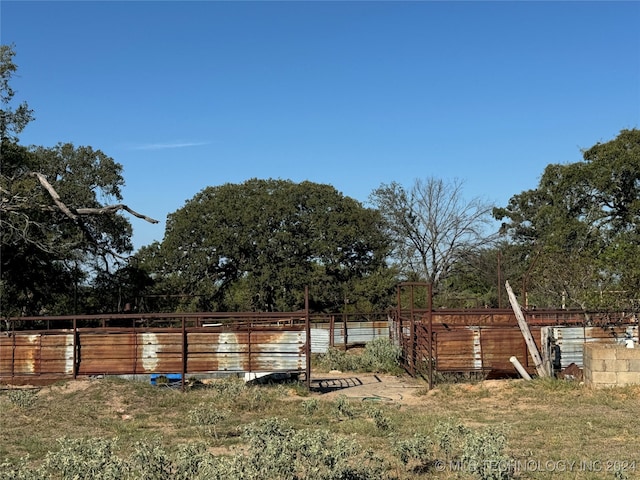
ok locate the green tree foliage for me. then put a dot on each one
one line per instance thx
(13, 119)
(478, 279)
(579, 228)
(255, 245)
(42, 246)
(55, 228)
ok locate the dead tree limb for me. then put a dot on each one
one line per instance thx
(54, 195)
(108, 209)
(75, 213)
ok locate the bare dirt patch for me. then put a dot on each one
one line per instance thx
(368, 386)
(70, 386)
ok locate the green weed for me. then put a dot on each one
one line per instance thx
(23, 398)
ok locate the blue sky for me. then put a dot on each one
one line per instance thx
(355, 94)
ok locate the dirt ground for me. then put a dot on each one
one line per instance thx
(403, 390)
(368, 386)
(375, 387)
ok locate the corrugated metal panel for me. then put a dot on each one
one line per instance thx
(571, 340)
(56, 354)
(359, 333)
(473, 348)
(129, 351)
(483, 317)
(456, 349)
(36, 353)
(246, 352)
(23, 350)
(500, 344)
(319, 339)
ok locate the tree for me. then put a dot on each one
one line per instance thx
(581, 227)
(432, 227)
(12, 119)
(256, 245)
(54, 227)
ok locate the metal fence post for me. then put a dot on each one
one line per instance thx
(307, 322)
(184, 353)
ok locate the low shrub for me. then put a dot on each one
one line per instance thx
(206, 417)
(23, 398)
(414, 452)
(380, 355)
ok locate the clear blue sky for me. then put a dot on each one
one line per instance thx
(190, 94)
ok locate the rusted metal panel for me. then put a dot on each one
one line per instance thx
(258, 363)
(455, 349)
(249, 343)
(462, 348)
(246, 351)
(128, 351)
(505, 317)
(162, 352)
(36, 353)
(6, 349)
(158, 352)
(56, 354)
(498, 345)
(20, 354)
(473, 317)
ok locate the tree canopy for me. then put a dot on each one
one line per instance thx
(255, 245)
(56, 222)
(580, 227)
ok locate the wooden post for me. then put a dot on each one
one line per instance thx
(526, 333)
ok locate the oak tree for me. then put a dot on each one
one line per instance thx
(255, 245)
(581, 228)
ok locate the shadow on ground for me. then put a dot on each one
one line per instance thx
(328, 385)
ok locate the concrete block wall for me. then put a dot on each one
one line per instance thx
(611, 365)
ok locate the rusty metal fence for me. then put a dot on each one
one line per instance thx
(42, 348)
(482, 341)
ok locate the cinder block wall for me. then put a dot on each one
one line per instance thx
(611, 365)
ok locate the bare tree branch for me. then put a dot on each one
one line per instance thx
(108, 209)
(54, 195)
(73, 213)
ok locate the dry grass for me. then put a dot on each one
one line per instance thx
(551, 423)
